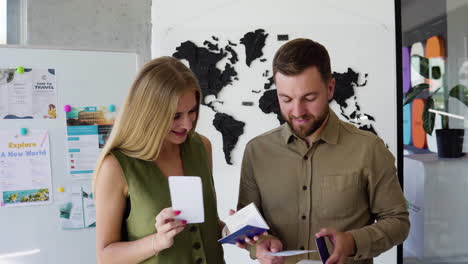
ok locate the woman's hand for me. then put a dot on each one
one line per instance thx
(167, 228)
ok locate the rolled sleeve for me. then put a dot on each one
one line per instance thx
(363, 242)
(387, 204)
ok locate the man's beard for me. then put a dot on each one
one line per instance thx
(303, 131)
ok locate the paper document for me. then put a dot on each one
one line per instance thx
(247, 222)
(289, 253)
(187, 196)
(30, 94)
(25, 172)
(88, 129)
(77, 207)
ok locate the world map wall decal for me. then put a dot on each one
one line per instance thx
(213, 78)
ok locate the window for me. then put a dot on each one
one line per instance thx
(13, 21)
(435, 59)
(3, 22)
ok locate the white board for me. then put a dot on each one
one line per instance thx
(83, 78)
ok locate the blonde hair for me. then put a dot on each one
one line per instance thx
(149, 109)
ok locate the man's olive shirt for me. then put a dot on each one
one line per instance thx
(345, 180)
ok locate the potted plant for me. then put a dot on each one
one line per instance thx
(449, 140)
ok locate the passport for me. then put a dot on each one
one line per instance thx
(241, 234)
(322, 249)
(247, 222)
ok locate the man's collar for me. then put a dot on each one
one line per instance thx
(331, 131)
(286, 133)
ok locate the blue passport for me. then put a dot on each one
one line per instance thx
(241, 234)
(322, 249)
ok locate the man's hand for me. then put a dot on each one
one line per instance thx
(250, 241)
(343, 245)
(269, 245)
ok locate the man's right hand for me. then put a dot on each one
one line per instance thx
(266, 246)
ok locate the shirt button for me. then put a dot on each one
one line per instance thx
(196, 245)
(305, 157)
(303, 217)
(193, 229)
(302, 248)
(304, 188)
(199, 261)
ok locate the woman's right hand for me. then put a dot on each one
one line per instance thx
(167, 228)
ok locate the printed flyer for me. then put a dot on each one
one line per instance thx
(77, 208)
(88, 129)
(28, 94)
(25, 174)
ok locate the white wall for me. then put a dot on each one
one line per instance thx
(358, 34)
(91, 24)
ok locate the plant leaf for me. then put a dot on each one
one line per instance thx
(428, 117)
(460, 92)
(415, 91)
(435, 74)
(435, 91)
(423, 66)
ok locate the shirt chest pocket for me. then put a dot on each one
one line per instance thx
(339, 195)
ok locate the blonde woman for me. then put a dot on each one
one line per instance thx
(152, 139)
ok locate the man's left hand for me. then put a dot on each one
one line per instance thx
(343, 245)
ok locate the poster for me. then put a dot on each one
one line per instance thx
(25, 174)
(88, 129)
(28, 94)
(77, 208)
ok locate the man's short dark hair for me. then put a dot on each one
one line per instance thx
(298, 54)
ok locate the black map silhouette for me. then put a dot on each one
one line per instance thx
(203, 61)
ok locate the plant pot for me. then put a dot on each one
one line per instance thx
(450, 142)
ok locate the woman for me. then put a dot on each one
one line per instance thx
(52, 111)
(152, 139)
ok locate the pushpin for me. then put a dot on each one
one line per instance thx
(111, 108)
(67, 108)
(23, 131)
(20, 70)
(61, 189)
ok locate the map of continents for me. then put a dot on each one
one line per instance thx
(203, 61)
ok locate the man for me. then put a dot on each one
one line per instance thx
(319, 176)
